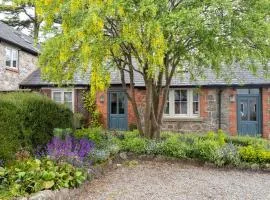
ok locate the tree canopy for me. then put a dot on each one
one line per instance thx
(156, 39)
(22, 15)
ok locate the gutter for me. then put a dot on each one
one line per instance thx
(219, 108)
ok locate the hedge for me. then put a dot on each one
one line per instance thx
(27, 121)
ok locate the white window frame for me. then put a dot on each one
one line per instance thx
(62, 91)
(12, 50)
(189, 105)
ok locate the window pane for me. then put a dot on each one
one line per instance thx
(177, 95)
(183, 95)
(177, 107)
(57, 97)
(113, 103)
(121, 103)
(243, 110)
(14, 58)
(183, 108)
(242, 91)
(167, 105)
(67, 96)
(195, 107)
(167, 108)
(195, 102)
(8, 57)
(253, 109)
(254, 91)
(195, 96)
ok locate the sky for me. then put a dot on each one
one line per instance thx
(23, 16)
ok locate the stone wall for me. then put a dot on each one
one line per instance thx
(10, 78)
(209, 114)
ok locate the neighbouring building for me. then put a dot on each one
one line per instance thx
(18, 57)
(239, 108)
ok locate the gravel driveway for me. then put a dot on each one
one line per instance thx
(158, 180)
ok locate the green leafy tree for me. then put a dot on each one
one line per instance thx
(156, 39)
(14, 10)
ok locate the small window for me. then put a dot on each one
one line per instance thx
(11, 57)
(63, 97)
(14, 58)
(195, 103)
(8, 57)
(182, 103)
(248, 91)
(68, 99)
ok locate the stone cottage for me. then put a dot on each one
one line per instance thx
(241, 107)
(18, 57)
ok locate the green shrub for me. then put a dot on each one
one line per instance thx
(205, 150)
(154, 147)
(96, 134)
(173, 147)
(33, 175)
(134, 144)
(78, 120)
(28, 120)
(246, 140)
(254, 154)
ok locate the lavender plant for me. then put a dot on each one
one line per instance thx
(70, 149)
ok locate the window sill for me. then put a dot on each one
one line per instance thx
(183, 119)
(12, 69)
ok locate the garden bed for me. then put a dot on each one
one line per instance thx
(69, 158)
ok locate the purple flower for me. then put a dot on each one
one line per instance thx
(69, 148)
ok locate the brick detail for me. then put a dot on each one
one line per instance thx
(46, 92)
(140, 99)
(102, 107)
(266, 113)
(232, 113)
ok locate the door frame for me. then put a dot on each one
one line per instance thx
(111, 90)
(259, 112)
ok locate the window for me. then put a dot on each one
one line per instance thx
(182, 103)
(64, 97)
(167, 106)
(11, 57)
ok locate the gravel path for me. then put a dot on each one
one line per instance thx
(164, 181)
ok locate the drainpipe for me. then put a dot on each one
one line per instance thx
(219, 108)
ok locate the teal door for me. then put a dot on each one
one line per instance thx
(248, 114)
(117, 110)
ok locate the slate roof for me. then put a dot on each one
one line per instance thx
(235, 77)
(10, 35)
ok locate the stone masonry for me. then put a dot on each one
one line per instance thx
(10, 78)
(209, 114)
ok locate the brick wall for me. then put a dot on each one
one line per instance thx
(232, 121)
(102, 107)
(10, 78)
(266, 112)
(208, 119)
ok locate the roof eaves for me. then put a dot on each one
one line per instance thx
(36, 53)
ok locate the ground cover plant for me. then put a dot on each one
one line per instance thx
(32, 175)
(62, 163)
(217, 148)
